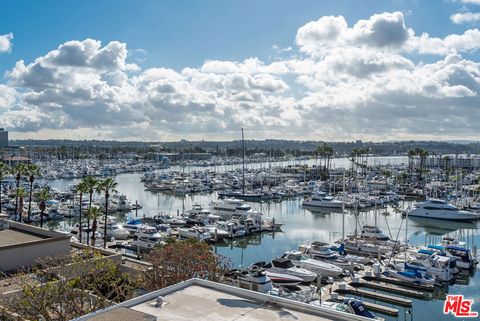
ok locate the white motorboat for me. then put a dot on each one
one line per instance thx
(147, 238)
(428, 261)
(169, 219)
(194, 232)
(229, 206)
(116, 231)
(285, 266)
(321, 199)
(319, 267)
(369, 231)
(440, 209)
(411, 277)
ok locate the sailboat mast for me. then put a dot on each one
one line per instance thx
(243, 162)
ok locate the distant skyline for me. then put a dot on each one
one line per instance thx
(343, 70)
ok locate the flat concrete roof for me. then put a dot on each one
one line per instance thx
(11, 236)
(200, 303)
(123, 314)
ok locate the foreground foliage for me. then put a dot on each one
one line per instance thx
(68, 288)
(181, 260)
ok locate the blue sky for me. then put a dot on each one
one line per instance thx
(180, 69)
(177, 34)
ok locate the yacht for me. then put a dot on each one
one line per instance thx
(169, 219)
(440, 209)
(116, 231)
(320, 268)
(286, 267)
(373, 232)
(147, 238)
(428, 261)
(194, 232)
(321, 199)
(228, 207)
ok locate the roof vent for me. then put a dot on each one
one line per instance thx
(159, 302)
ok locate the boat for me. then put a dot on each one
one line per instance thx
(147, 238)
(286, 266)
(334, 255)
(228, 207)
(168, 219)
(411, 277)
(428, 261)
(116, 231)
(253, 278)
(320, 268)
(440, 209)
(464, 258)
(323, 200)
(132, 225)
(369, 231)
(194, 232)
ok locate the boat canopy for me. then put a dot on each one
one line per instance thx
(424, 251)
(436, 247)
(457, 248)
(282, 263)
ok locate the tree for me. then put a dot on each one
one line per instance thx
(19, 170)
(91, 183)
(107, 185)
(81, 188)
(20, 194)
(4, 171)
(66, 288)
(93, 214)
(31, 170)
(43, 195)
(181, 260)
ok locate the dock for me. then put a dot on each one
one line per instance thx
(389, 280)
(370, 305)
(377, 285)
(374, 295)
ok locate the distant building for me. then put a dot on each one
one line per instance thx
(14, 160)
(451, 161)
(178, 157)
(3, 138)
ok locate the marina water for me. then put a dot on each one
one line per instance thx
(301, 225)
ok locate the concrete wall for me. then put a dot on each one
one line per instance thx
(21, 255)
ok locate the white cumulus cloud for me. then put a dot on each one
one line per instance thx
(6, 42)
(340, 81)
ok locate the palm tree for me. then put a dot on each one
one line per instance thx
(107, 185)
(20, 194)
(4, 171)
(43, 195)
(91, 184)
(31, 170)
(19, 170)
(81, 188)
(93, 213)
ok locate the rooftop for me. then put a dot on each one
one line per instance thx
(204, 300)
(12, 236)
